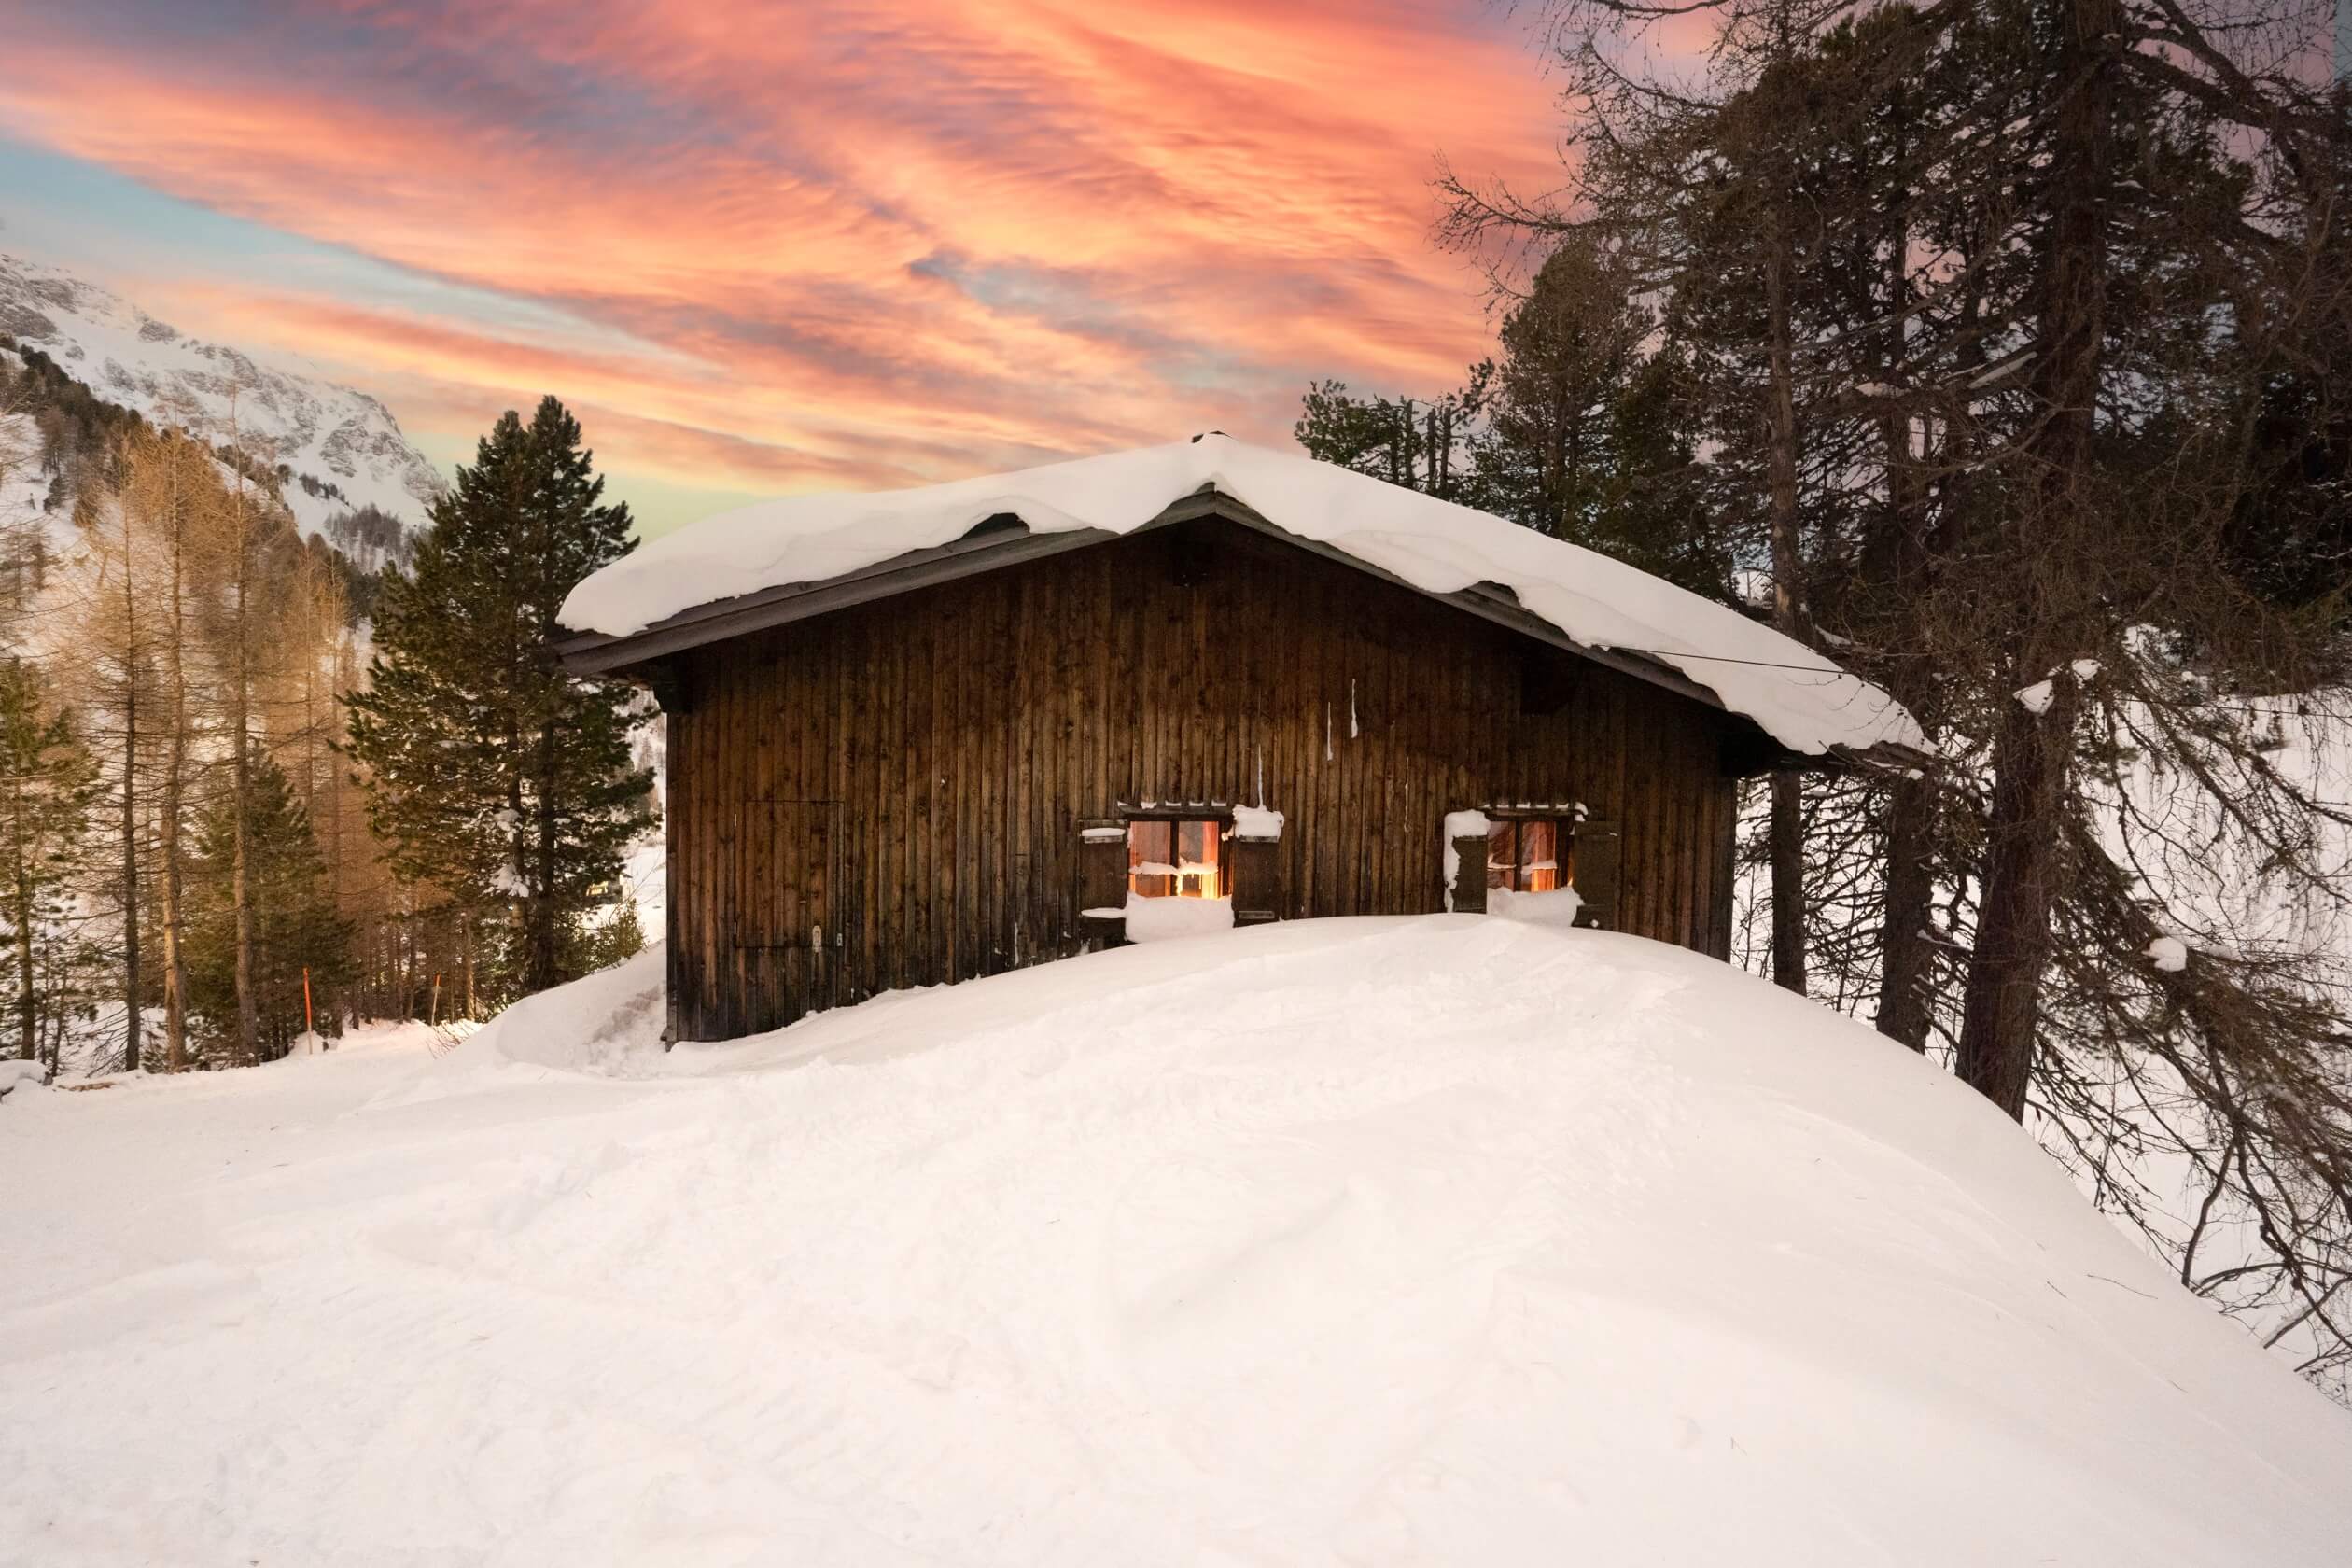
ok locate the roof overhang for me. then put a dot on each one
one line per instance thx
(1005, 540)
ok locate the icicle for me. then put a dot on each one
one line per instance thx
(1352, 731)
(1327, 732)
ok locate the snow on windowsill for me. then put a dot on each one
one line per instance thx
(1162, 920)
(1559, 906)
(1256, 824)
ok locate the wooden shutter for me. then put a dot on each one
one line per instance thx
(1256, 883)
(1470, 875)
(1102, 875)
(1596, 883)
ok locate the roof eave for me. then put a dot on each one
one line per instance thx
(982, 548)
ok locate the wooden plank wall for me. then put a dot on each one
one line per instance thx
(891, 795)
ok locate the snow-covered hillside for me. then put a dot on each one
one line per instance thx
(336, 437)
(1446, 1239)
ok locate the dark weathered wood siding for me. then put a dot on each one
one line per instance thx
(892, 794)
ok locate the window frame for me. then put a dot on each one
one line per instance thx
(1564, 856)
(1176, 817)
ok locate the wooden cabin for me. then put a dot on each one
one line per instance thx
(1023, 744)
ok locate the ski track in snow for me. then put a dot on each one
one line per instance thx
(1449, 1240)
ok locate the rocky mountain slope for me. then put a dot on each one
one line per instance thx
(342, 448)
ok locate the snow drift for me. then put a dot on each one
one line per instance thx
(1446, 1239)
(1802, 699)
(611, 1022)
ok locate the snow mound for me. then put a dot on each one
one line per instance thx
(1448, 1240)
(1802, 699)
(610, 1023)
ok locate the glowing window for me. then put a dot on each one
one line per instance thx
(1530, 854)
(1176, 857)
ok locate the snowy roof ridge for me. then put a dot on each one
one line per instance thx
(1799, 698)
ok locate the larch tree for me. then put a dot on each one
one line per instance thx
(173, 488)
(240, 622)
(114, 648)
(492, 774)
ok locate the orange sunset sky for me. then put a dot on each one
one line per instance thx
(763, 249)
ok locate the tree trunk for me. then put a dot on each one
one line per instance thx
(1786, 837)
(241, 775)
(2001, 1013)
(28, 1035)
(1902, 562)
(131, 989)
(2032, 752)
(1788, 607)
(1907, 949)
(543, 881)
(175, 769)
(241, 895)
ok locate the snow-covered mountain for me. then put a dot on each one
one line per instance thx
(345, 443)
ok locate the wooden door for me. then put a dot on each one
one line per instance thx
(780, 914)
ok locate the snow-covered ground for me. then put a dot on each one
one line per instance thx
(1446, 1239)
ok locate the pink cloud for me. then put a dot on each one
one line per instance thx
(887, 248)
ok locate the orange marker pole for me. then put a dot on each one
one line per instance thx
(306, 1007)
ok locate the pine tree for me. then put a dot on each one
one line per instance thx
(2056, 289)
(1585, 437)
(614, 940)
(49, 788)
(1421, 446)
(492, 774)
(293, 927)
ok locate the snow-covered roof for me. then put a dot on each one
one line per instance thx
(1799, 697)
